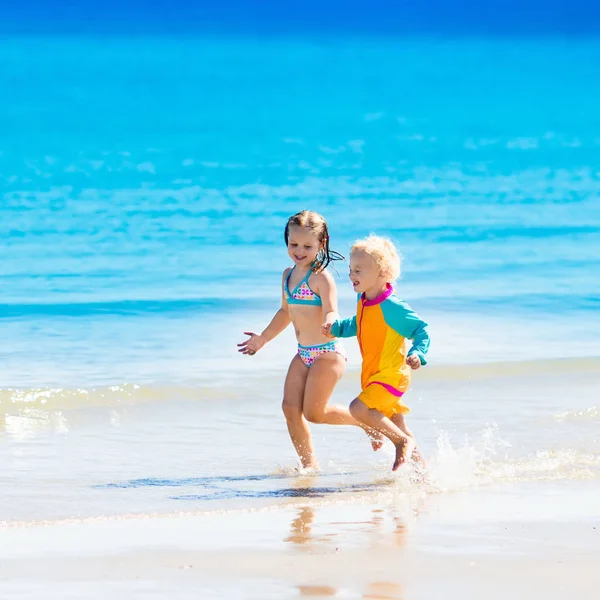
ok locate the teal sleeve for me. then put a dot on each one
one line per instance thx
(404, 320)
(344, 328)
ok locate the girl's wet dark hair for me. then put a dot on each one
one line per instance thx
(316, 223)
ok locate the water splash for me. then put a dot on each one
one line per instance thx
(583, 414)
(487, 461)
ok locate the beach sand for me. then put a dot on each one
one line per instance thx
(466, 545)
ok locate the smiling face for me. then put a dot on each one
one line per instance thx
(303, 245)
(366, 275)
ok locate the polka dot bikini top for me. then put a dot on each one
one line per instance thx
(302, 294)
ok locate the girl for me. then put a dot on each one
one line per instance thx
(309, 298)
(382, 324)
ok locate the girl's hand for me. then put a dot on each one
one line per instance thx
(326, 329)
(252, 345)
(414, 362)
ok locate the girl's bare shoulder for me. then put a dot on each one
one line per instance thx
(323, 277)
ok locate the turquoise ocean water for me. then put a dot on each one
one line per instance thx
(144, 187)
(145, 184)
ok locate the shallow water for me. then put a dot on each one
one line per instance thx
(143, 201)
(144, 188)
(150, 450)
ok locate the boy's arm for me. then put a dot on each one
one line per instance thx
(344, 328)
(405, 321)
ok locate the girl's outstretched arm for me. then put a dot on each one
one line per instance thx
(278, 323)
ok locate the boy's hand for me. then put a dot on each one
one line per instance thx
(414, 362)
(253, 345)
(326, 329)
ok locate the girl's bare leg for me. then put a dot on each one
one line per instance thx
(322, 378)
(293, 395)
(378, 421)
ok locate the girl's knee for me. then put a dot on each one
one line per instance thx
(291, 410)
(314, 416)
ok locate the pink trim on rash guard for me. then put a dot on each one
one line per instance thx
(389, 388)
(389, 290)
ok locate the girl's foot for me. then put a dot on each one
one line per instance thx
(403, 451)
(310, 465)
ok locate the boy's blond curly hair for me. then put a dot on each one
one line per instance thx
(385, 254)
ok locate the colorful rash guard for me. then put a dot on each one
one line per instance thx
(382, 326)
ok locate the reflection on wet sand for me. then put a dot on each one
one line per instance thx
(300, 530)
(383, 591)
(317, 590)
(385, 531)
(384, 528)
(372, 591)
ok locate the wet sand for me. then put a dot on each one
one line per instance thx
(422, 548)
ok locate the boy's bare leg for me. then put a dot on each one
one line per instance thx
(321, 380)
(376, 420)
(399, 421)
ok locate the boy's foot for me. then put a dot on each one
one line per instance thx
(403, 451)
(376, 438)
